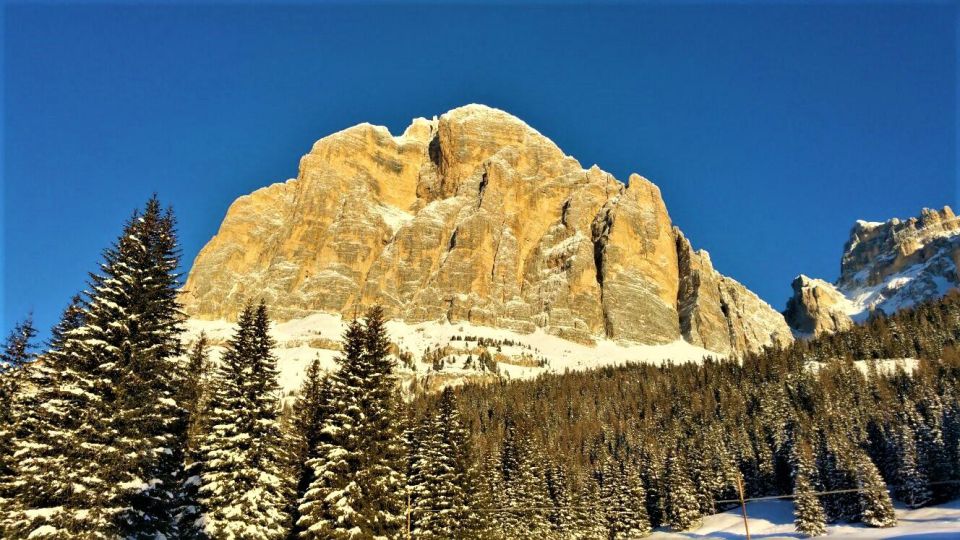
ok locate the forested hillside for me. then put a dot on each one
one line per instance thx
(586, 446)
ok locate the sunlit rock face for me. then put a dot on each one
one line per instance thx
(473, 216)
(885, 267)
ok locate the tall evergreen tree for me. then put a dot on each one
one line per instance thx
(624, 501)
(810, 518)
(441, 481)
(912, 483)
(17, 353)
(42, 487)
(310, 411)
(132, 336)
(524, 486)
(194, 398)
(876, 508)
(682, 507)
(358, 475)
(114, 403)
(245, 489)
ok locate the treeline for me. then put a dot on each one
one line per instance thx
(116, 430)
(575, 453)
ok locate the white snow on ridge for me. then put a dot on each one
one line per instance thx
(773, 520)
(299, 341)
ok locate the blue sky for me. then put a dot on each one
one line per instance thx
(769, 128)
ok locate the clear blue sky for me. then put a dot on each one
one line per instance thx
(769, 129)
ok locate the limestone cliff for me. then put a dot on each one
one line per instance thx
(473, 216)
(885, 266)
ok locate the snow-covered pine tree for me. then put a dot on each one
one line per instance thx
(810, 519)
(654, 476)
(131, 334)
(441, 481)
(15, 356)
(18, 349)
(328, 509)
(876, 508)
(119, 428)
(624, 500)
(562, 517)
(310, 411)
(358, 473)
(525, 490)
(194, 397)
(912, 482)
(45, 485)
(682, 507)
(381, 474)
(244, 491)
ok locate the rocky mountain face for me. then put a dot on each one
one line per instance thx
(885, 266)
(473, 216)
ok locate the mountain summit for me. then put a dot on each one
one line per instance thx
(473, 216)
(885, 266)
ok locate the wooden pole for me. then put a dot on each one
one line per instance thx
(743, 505)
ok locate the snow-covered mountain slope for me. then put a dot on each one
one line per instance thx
(885, 266)
(441, 353)
(773, 520)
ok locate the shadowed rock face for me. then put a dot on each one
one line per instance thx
(885, 266)
(473, 216)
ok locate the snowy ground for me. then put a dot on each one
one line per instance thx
(771, 520)
(301, 340)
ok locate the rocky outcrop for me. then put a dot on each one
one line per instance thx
(717, 312)
(473, 216)
(885, 266)
(817, 307)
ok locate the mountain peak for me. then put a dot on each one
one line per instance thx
(885, 265)
(473, 216)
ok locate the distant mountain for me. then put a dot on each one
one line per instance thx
(885, 266)
(474, 217)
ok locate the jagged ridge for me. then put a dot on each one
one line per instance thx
(885, 266)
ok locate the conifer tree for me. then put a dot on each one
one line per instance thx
(912, 483)
(441, 481)
(194, 398)
(524, 486)
(682, 507)
(42, 487)
(562, 517)
(382, 474)
(15, 356)
(810, 518)
(876, 508)
(312, 406)
(358, 474)
(245, 490)
(132, 337)
(113, 404)
(624, 501)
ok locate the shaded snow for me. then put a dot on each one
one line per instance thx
(771, 520)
